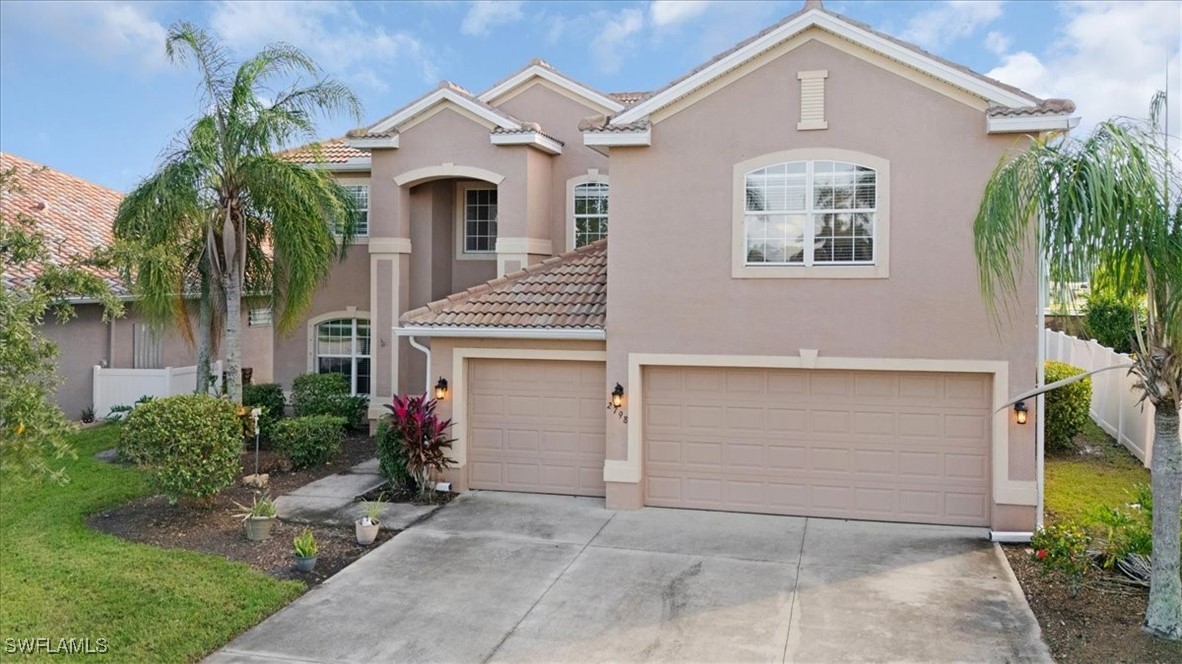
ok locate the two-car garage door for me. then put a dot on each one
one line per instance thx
(895, 446)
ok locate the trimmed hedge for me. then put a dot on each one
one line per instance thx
(191, 444)
(270, 397)
(1112, 322)
(310, 440)
(328, 394)
(1067, 407)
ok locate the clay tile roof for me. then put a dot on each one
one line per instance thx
(564, 292)
(74, 215)
(527, 128)
(332, 151)
(599, 123)
(629, 99)
(1045, 107)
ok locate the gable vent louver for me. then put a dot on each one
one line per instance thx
(812, 100)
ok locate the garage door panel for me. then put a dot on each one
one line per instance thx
(880, 445)
(537, 426)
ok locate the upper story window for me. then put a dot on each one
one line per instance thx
(812, 217)
(479, 219)
(590, 212)
(360, 194)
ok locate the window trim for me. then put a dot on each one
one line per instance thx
(880, 269)
(462, 189)
(349, 312)
(593, 176)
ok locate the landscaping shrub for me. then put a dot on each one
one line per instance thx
(328, 394)
(310, 440)
(1110, 321)
(392, 456)
(268, 396)
(1120, 532)
(1067, 407)
(191, 444)
(423, 437)
(1063, 548)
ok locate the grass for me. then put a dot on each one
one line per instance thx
(1077, 484)
(60, 579)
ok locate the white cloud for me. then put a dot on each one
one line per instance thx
(332, 33)
(950, 21)
(670, 12)
(613, 42)
(998, 42)
(1110, 58)
(486, 14)
(116, 32)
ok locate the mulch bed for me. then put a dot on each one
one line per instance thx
(1100, 624)
(214, 529)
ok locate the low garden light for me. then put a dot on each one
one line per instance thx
(441, 389)
(1020, 411)
(618, 396)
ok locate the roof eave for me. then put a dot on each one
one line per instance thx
(533, 139)
(573, 334)
(1030, 123)
(371, 142)
(610, 139)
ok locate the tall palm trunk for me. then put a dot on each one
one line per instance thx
(204, 342)
(1163, 616)
(235, 250)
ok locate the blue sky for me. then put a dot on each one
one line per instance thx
(86, 88)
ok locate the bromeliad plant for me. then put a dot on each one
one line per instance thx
(422, 437)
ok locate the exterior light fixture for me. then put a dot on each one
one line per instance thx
(618, 396)
(441, 389)
(1020, 411)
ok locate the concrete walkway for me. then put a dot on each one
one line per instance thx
(331, 501)
(515, 577)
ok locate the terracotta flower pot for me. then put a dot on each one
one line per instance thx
(258, 528)
(366, 534)
(305, 564)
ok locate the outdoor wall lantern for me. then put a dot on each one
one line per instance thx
(1020, 411)
(618, 396)
(441, 389)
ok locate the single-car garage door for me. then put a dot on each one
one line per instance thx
(536, 425)
(893, 446)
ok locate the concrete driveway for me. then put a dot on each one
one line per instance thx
(516, 577)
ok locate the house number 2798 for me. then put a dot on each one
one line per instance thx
(618, 412)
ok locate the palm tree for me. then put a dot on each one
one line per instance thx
(245, 221)
(1109, 206)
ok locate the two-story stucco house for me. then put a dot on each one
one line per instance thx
(788, 301)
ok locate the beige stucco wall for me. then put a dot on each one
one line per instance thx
(672, 207)
(86, 341)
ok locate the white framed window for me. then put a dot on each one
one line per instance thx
(259, 317)
(360, 194)
(342, 345)
(590, 212)
(476, 219)
(812, 217)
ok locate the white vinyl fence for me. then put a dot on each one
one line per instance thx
(114, 387)
(1114, 400)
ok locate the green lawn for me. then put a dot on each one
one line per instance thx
(1076, 485)
(60, 579)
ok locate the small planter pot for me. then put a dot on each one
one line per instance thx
(305, 564)
(258, 528)
(366, 534)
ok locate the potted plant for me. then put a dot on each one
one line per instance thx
(258, 518)
(305, 550)
(367, 526)
(87, 415)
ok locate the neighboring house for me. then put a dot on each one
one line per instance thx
(788, 301)
(75, 216)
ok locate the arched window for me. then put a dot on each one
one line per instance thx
(343, 346)
(590, 212)
(807, 213)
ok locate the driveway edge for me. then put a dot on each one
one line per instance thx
(1012, 579)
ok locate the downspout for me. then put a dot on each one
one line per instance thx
(426, 351)
(1040, 378)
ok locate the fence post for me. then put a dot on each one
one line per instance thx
(96, 392)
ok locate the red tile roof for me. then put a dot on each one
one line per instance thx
(332, 151)
(74, 215)
(564, 292)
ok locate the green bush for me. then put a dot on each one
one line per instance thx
(191, 444)
(269, 396)
(1111, 322)
(328, 394)
(1067, 407)
(310, 440)
(1063, 548)
(392, 456)
(1120, 532)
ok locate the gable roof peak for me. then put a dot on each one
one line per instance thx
(812, 4)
